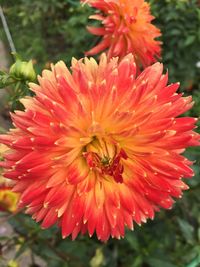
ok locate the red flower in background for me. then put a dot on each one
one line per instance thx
(126, 28)
(99, 149)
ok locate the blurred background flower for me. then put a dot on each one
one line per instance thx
(126, 27)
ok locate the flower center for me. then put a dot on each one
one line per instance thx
(105, 158)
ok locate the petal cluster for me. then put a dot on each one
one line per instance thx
(126, 28)
(100, 148)
(8, 199)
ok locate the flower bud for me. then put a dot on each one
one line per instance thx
(23, 70)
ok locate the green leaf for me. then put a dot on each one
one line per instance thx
(187, 230)
(137, 261)
(132, 240)
(160, 263)
(194, 263)
(198, 234)
(98, 259)
(189, 40)
(23, 247)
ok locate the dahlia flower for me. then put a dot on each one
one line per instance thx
(126, 28)
(100, 149)
(8, 199)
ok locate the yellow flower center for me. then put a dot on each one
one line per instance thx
(105, 158)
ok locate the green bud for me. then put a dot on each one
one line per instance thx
(23, 70)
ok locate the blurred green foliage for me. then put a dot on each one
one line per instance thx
(179, 21)
(50, 30)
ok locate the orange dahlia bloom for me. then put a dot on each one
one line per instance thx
(126, 28)
(99, 149)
